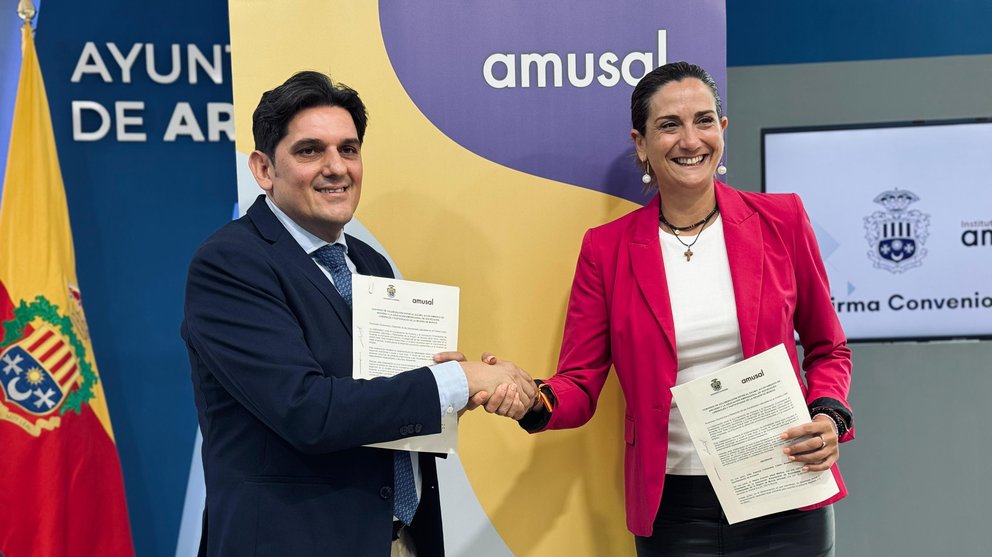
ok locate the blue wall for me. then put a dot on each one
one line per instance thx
(761, 32)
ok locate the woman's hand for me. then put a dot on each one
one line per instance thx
(820, 450)
(505, 400)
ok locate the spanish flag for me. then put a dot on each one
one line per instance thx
(61, 491)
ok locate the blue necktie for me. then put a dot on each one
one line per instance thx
(332, 258)
(405, 502)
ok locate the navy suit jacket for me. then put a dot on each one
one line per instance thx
(283, 421)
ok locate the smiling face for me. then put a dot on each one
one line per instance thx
(316, 175)
(683, 139)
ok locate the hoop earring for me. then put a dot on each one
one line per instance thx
(646, 178)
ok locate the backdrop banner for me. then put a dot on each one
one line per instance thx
(498, 133)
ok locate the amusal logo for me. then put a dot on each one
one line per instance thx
(897, 236)
(508, 70)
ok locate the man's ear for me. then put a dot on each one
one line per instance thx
(262, 168)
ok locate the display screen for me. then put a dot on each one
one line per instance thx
(903, 216)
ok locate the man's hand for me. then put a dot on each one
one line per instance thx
(506, 400)
(474, 401)
(513, 391)
(503, 387)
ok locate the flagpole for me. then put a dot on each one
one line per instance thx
(25, 9)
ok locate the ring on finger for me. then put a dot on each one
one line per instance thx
(823, 443)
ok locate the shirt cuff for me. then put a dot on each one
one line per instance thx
(452, 386)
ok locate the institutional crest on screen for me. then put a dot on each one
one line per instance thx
(898, 235)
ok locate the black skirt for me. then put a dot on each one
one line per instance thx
(690, 523)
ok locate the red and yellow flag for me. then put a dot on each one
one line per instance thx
(61, 491)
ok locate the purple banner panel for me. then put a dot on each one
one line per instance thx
(544, 87)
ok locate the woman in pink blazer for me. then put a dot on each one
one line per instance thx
(700, 278)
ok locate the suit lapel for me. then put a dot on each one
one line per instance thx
(286, 248)
(745, 252)
(365, 264)
(648, 268)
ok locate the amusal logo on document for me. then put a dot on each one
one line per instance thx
(716, 385)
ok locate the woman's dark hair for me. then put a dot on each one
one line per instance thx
(302, 91)
(640, 99)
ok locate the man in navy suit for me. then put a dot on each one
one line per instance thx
(268, 329)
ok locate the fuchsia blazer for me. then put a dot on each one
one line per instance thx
(619, 314)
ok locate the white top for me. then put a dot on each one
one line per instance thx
(707, 335)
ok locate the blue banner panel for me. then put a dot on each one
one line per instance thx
(140, 97)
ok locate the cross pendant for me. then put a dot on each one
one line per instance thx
(688, 254)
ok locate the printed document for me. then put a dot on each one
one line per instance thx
(399, 325)
(734, 417)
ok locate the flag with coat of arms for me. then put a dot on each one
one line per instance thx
(61, 489)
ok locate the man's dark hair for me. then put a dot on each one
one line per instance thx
(302, 91)
(640, 100)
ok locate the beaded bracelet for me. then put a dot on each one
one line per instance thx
(833, 415)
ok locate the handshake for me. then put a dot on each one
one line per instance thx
(498, 385)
